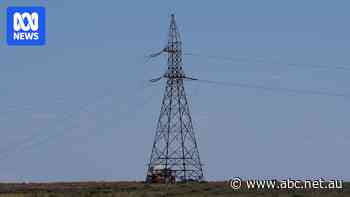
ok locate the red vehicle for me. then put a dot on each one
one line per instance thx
(160, 174)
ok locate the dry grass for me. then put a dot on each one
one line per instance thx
(138, 189)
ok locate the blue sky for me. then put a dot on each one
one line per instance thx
(80, 107)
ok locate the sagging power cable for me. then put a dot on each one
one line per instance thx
(274, 89)
(42, 138)
(260, 61)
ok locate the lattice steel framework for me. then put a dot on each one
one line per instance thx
(175, 145)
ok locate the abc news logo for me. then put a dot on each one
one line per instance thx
(32, 25)
(26, 25)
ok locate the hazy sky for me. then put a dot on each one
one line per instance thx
(80, 107)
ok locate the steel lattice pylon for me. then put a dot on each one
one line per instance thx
(175, 153)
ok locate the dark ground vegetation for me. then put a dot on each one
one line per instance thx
(139, 189)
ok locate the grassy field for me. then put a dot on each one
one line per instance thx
(138, 189)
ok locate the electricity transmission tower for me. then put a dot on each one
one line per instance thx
(175, 154)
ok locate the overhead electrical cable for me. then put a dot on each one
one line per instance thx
(264, 61)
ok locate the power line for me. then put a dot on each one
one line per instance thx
(36, 140)
(261, 87)
(30, 141)
(260, 61)
(274, 89)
